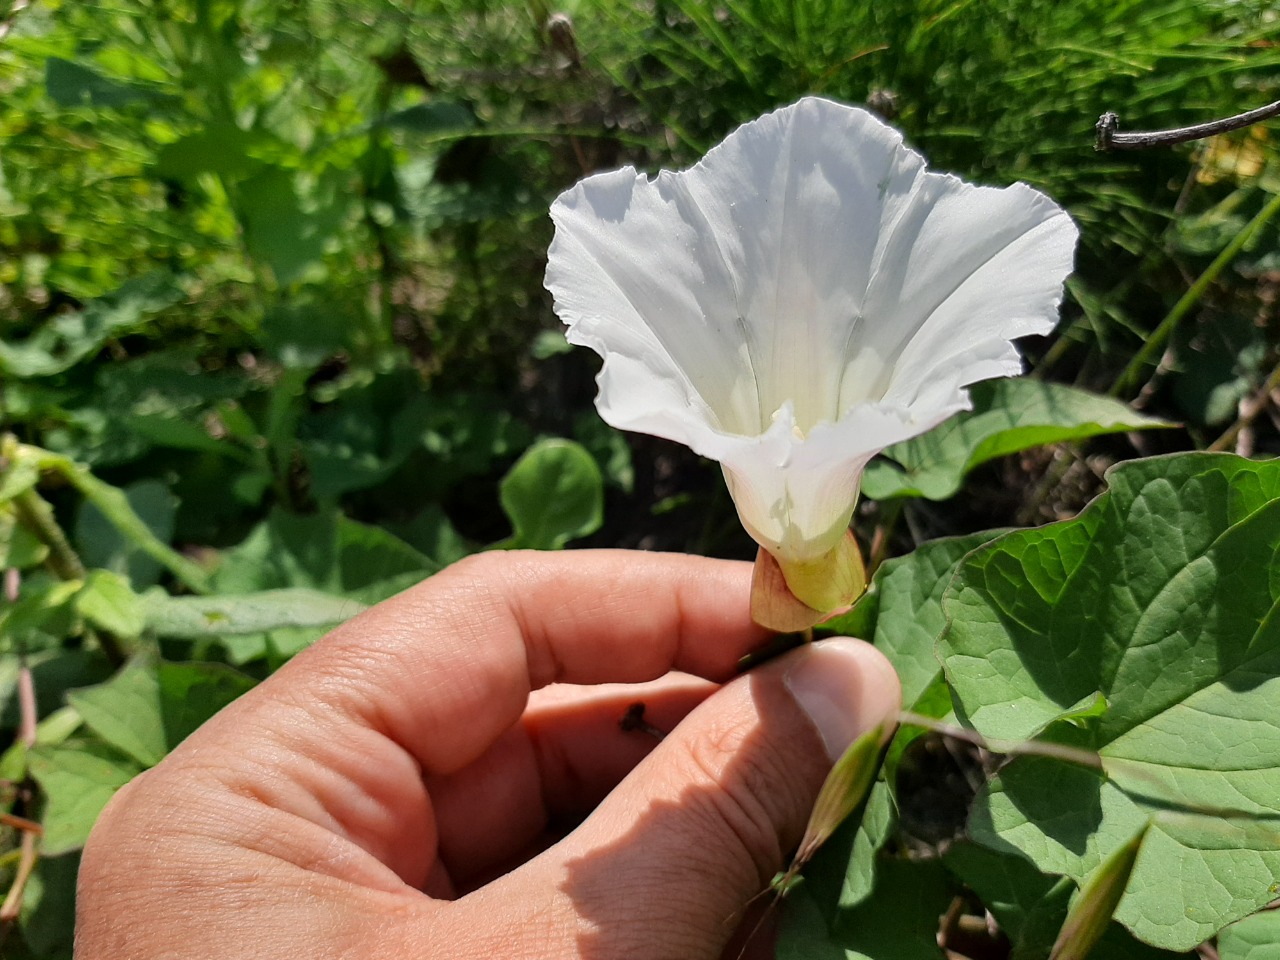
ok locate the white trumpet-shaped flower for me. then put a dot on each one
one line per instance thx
(802, 298)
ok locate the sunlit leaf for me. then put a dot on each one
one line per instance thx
(78, 779)
(552, 495)
(63, 341)
(230, 614)
(1091, 910)
(1161, 597)
(902, 613)
(124, 712)
(1007, 416)
(107, 601)
(1253, 938)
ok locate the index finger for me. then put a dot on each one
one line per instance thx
(446, 667)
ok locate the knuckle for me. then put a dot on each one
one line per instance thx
(746, 794)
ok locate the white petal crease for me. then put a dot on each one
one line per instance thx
(803, 297)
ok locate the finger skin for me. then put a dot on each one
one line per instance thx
(299, 822)
(665, 865)
(546, 773)
(305, 799)
(446, 668)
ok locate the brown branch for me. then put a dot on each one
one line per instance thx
(1109, 136)
(21, 823)
(1008, 748)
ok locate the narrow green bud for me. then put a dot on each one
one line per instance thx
(846, 786)
(1096, 903)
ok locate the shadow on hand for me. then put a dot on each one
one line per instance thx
(675, 884)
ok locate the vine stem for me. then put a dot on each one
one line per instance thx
(1089, 760)
(36, 514)
(1008, 748)
(1109, 136)
(1155, 343)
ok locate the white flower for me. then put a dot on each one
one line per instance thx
(802, 298)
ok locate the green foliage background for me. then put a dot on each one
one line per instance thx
(274, 343)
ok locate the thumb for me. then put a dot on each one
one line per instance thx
(664, 867)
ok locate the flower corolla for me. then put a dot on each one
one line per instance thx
(802, 298)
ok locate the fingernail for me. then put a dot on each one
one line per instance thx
(845, 687)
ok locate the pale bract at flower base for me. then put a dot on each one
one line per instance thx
(802, 298)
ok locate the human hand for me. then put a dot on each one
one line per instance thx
(400, 789)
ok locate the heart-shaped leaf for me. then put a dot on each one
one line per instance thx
(1162, 598)
(1007, 416)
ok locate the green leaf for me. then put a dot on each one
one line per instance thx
(609, 447)
(44, 612)
(19, 547)
(898, 922)
(805, 934)
(107, 601)
(324, 551)
(549, 343)
(1091, 910)
(1253, 938)
(845, 789)
(17, 475)
(78, 778)
(221, 148)
(901, 612)
(63, 341)
(842, 873)
(1007, 416)
(439, 118)
(552, 495)
(148, 708)
(102, 545)
(1008, 885)
(283, 229)
(191, 693)
(73, 84)
(358, 444)
(53, 672)
(902, 615)
(432, 533)
(114, 505)
(176, 433)
(125, 712)
(1161, 596)
(466, 435)
(49, 906)
(192, 618)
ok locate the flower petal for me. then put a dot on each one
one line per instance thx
(805, 296)
(796, 498)
(964, 271)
